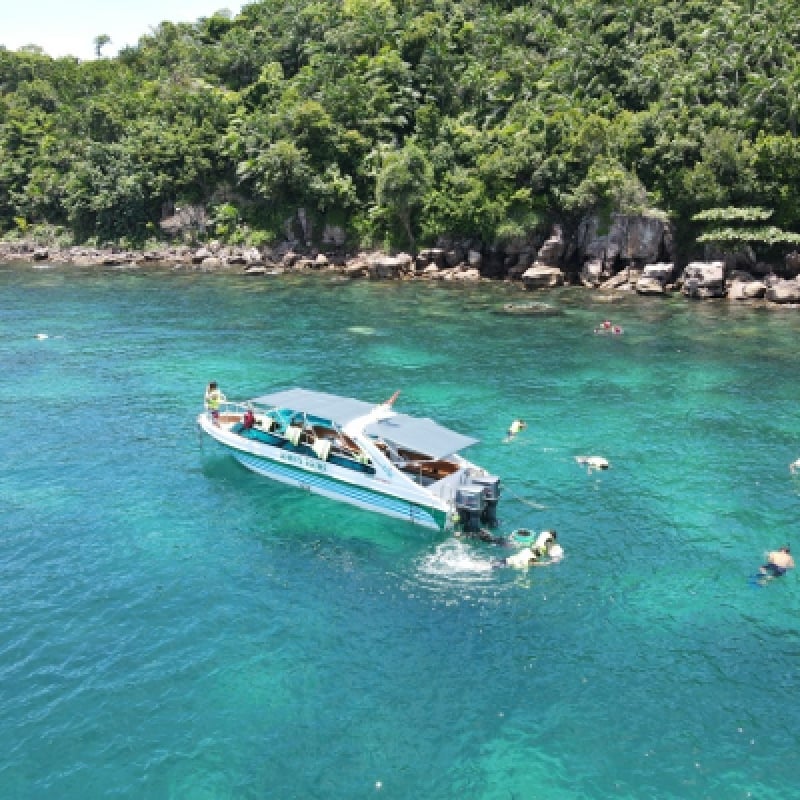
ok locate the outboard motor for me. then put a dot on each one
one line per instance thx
(470, 505)
(490, 484)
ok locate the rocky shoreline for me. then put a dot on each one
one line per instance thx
(719, 279)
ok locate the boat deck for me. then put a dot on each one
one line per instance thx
(276, 428)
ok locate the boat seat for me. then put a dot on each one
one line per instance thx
(293, 433)
(266, 423)
(322, 447)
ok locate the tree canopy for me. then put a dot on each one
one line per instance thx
(405, 121)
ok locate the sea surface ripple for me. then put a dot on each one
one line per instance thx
(177, 627)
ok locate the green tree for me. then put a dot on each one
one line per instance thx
(100, 42)
(402, 180)
(734, 228)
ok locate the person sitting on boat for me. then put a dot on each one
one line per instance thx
(778, 562)
(248, 420)
(212, 400)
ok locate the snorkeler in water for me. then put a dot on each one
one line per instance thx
(545, 552)
(778, 563)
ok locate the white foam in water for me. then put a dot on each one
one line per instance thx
(454, 560)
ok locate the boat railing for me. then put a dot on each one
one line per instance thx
(232, 407)
(228, 411)
(232, 410)
(239, 407)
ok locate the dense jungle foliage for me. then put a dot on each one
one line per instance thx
(403, 121)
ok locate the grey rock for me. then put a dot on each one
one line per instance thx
(540, 276)
(784, 292)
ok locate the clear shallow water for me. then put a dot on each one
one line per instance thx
(176, 627)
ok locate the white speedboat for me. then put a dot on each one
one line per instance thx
(359, 453)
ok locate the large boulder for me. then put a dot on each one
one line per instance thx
(649, 285)
(641, 238)
(784, 292)
(624, 280)
(431, 271)
(743, 286)
(661, 271)
(540, 276)
(552, 250)
(655, 277)
(704, 279)
(201, 254)
(357, 267)
(383, 266)
(469, 274)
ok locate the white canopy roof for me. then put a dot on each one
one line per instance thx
(422, 435)
(319, 404)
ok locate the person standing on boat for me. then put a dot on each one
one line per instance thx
(212, 400)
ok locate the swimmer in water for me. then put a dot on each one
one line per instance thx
(539, 555)
(777, 564)
(522, 560)
(551, 552)
(516, 426)
(592, 463)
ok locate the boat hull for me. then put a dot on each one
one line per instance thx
(344, 492)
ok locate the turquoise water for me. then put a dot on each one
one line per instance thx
(176, 627)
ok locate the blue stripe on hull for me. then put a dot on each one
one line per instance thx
(338, 490)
